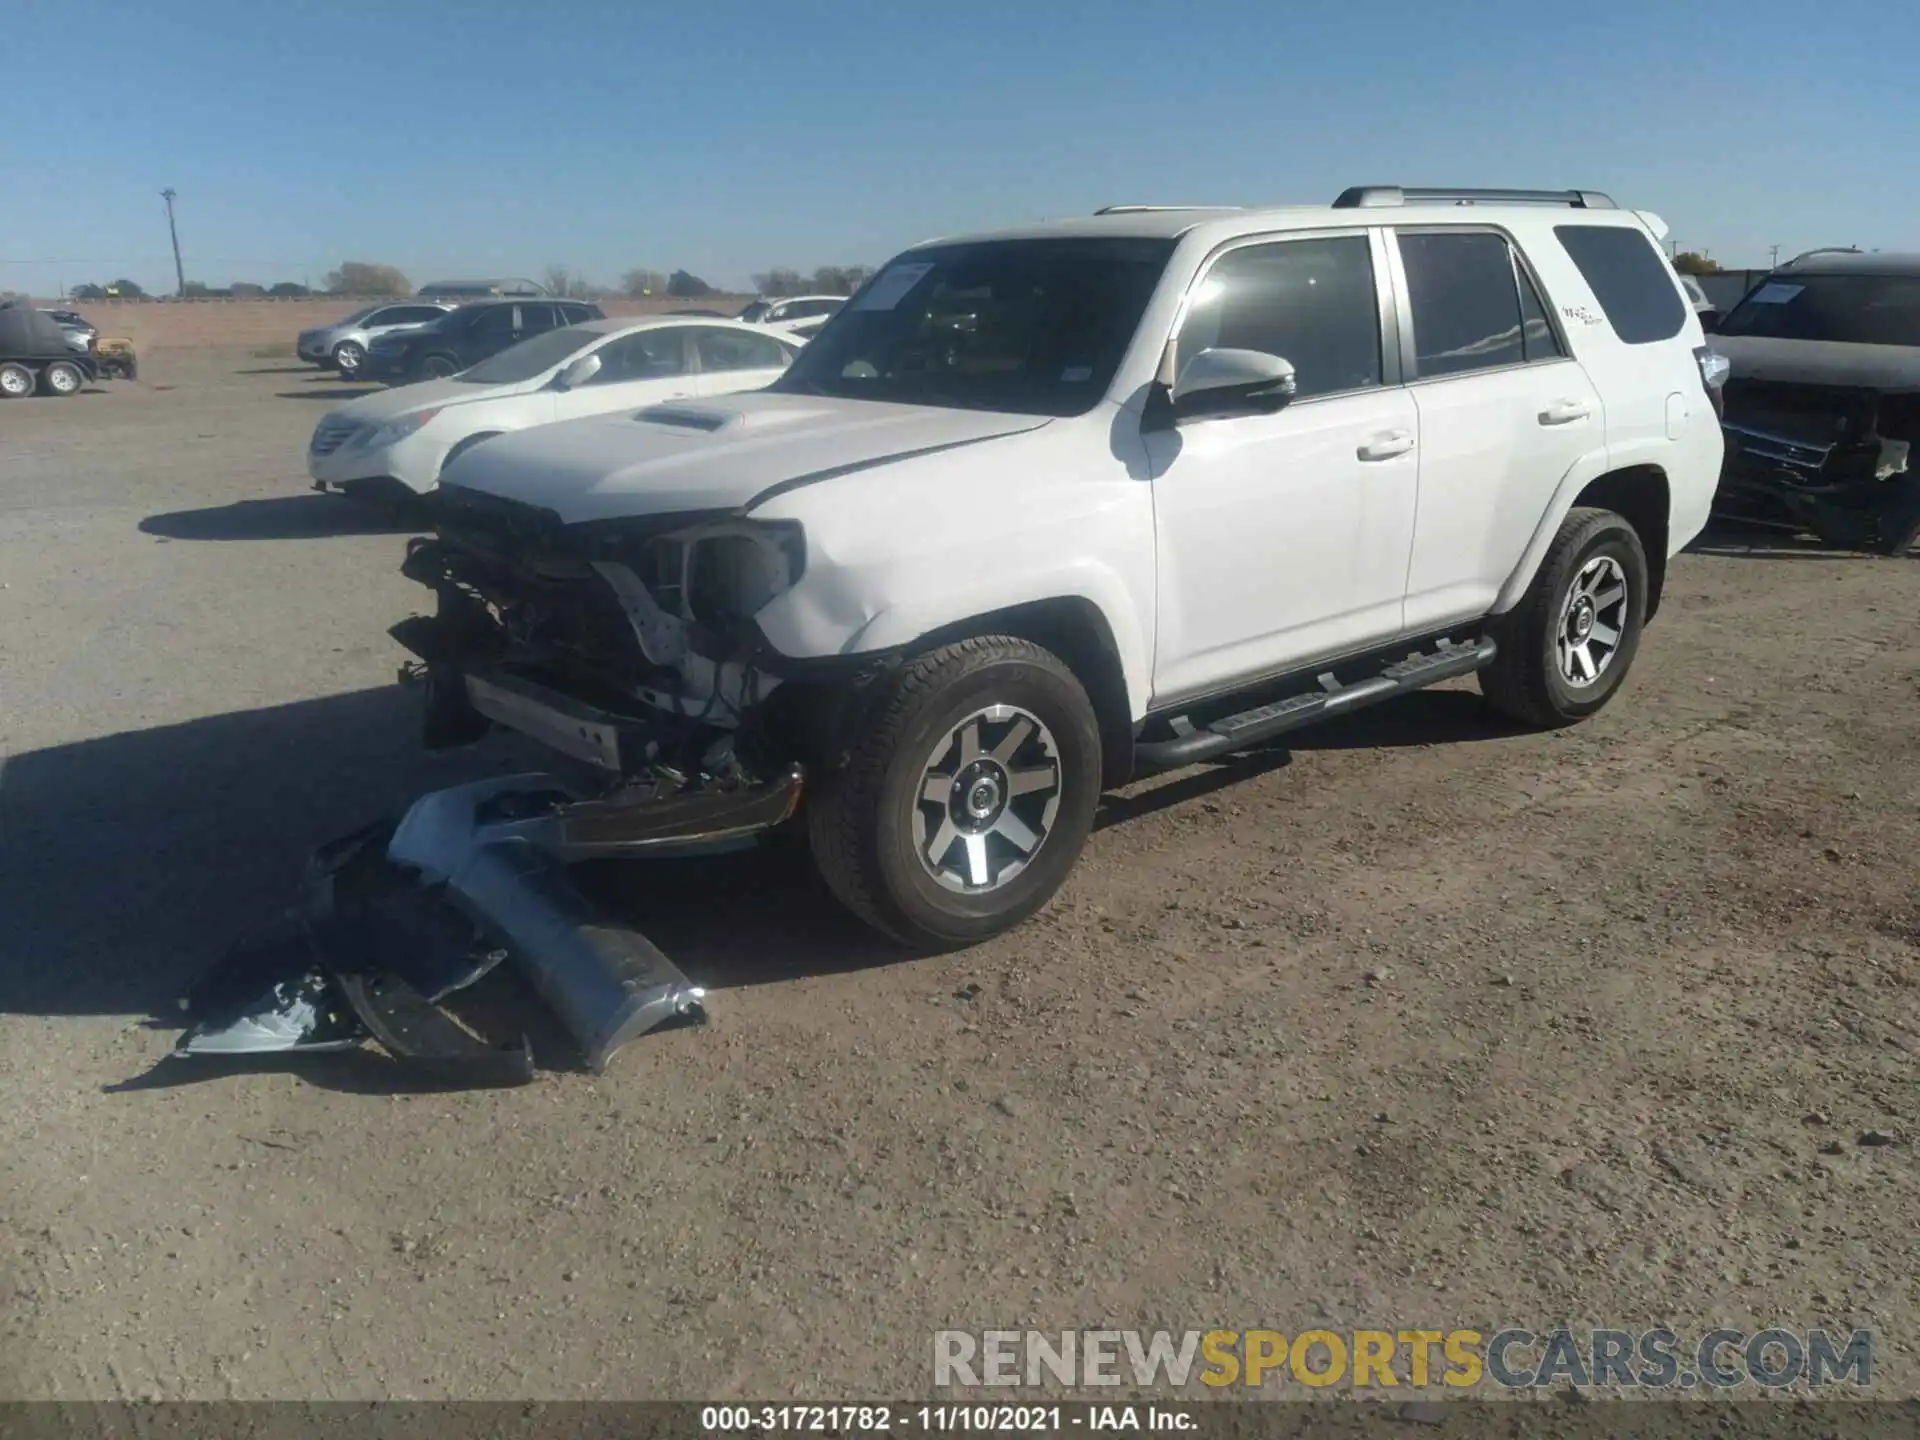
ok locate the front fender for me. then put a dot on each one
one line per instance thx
(816, 620)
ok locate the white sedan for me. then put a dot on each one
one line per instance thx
(390, 446)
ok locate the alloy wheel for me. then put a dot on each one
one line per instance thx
(987, 799)
(1593, 621)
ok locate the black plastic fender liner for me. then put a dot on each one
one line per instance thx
(419, 1034)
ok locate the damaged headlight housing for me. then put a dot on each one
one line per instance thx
(395, 431)
(733, 571)
(1893, 459)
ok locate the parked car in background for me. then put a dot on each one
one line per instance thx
(390, 446)
(80, 332)
(793, 307)
(37, 354)
(1703, 307)
(478, 289)
(466, 336)
(1823, 400)
(343, 345)
(1047, 508)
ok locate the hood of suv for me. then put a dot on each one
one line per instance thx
(1821, 362)
(715, 454)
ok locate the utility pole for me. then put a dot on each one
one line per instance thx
(1773, 257)
(179, 271)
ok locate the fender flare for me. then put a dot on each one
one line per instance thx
(1589, 468)
(903, 626)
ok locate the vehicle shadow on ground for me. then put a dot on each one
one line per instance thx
(283, 370)
(311, 516)
(331, 393)
(136, 860)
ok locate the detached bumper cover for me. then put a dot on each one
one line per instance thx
(396, 917)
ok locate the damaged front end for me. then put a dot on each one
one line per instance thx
(1835, 460)
(626, 650)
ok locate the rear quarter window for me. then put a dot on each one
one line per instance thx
(1630, 279)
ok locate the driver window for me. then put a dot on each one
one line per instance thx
(1312, 302)
(644, 355)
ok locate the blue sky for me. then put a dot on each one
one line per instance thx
(732, 135)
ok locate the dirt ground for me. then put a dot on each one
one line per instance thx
(1422, 1023)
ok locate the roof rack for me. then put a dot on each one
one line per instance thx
(1825, 250)
(1362, 197)
(1148, 209)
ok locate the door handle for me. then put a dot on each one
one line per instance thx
(1565, 412)
(1387, 444)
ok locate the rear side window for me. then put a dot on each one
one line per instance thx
(1466, 306)
(1630, 279)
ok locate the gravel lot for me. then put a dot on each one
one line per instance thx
(1422, 1023)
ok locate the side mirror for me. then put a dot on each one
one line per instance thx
(1221, 380)
(578, 373)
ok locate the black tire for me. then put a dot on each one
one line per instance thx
(17, 381)
(438, 367)
(864, 820)
(347, 358)
(63, 378)
(1527, 681)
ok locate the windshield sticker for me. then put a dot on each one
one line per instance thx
(892, 287)
(1775, 293)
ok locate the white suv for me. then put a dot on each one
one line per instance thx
(1046, 509)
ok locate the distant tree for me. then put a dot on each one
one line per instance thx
(288, 288)
(642, 282)
(87, 292)
(1689, 262)
(126, 290)
(245, 290)
(683, 286)
(780, 281)
(840, 279)
(361, 277)
(558, 280)
(195, 290)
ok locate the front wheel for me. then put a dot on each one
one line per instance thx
(968, 797)
(16, 380)
(348, 357)
(1566, 647)
(63, 377)
(438, 367)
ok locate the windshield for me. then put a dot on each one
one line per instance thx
(1849, 309)
(530, 357)
(1036, 327)
(754, 311)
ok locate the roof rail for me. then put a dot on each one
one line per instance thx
(1369, 196)
(1825, 250)
(1148, 209)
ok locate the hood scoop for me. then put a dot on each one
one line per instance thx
(685, 417)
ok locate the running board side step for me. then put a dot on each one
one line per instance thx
(1445, 661)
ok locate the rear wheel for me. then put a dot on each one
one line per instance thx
(348, 357)
(16, 380)
(968, 797)
(438, 367)
(1566, 647)
(63, 377)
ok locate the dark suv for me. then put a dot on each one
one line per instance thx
(467, 336)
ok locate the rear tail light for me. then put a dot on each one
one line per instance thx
(1714, 369)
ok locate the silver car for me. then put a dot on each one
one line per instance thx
(343, 345)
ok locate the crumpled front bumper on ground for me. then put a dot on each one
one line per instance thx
(396, 917)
